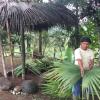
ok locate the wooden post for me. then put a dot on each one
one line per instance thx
(22, 50)
(10, 48)
(2, 56)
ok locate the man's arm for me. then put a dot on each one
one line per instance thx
(80, 63)
(78, 58)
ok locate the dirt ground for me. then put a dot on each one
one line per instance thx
(6, 95)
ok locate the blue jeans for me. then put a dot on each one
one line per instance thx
(76, 89)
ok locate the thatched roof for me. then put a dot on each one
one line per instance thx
(34, 16)
(56, 14)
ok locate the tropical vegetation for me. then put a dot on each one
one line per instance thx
(46, 49)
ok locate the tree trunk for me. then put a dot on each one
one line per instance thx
(11, 49)
(99, 44)
(98, 29)
(19, 44)
(40, 43)
(77, 36)
(3, 58)
(99, 47)
(22, 50)
(28, 46)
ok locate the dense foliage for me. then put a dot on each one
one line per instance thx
(35, 66)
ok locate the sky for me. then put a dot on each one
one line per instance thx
(45, 0)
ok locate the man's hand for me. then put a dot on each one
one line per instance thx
(91, 64)
(82, 71)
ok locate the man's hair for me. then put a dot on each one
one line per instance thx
(85, 39)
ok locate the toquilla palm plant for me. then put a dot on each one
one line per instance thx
(67, 74)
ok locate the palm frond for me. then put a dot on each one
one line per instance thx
(91, 81)
(67, 74)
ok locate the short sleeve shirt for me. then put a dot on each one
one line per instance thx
(85, 56)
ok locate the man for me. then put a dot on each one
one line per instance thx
(84, 58)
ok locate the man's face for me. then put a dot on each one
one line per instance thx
(84, 45)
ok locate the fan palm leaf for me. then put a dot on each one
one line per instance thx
(64, 74)
(68, 74)
(91, 81)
